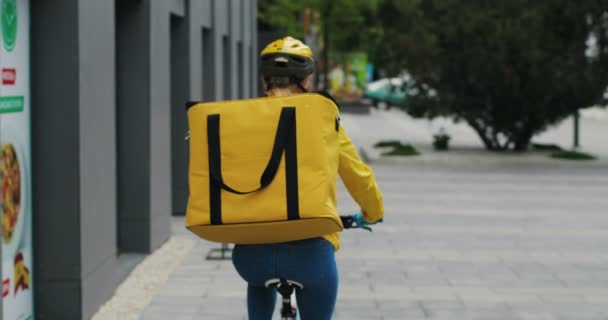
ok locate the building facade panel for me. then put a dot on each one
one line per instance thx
(109, 84)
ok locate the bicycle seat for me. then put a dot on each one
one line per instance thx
(278, 283)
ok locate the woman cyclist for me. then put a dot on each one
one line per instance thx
(286, 68)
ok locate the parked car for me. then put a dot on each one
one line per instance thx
(387, 92)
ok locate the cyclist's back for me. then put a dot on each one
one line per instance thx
(287, 66)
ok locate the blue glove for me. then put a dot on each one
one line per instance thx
(360, 221)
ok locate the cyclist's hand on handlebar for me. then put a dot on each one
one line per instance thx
(360, 222)
(357, 221)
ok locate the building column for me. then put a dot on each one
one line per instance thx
(144, 122)
(74, 157)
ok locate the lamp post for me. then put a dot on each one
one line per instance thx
(577, 117)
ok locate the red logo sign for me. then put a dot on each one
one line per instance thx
(6, 287)
(9, 76)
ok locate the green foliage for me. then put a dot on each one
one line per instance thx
(402, 150)
(397, 148)
(572, 155)
(441, 141)
(546, 147)
(351, 24)
(283, 14)
(385, 144)
(509, 69)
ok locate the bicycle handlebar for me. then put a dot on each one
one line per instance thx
(356, 221)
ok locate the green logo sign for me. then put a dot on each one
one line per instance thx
(11, 104)
(9, 24)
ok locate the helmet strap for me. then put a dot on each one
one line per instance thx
(302, 87)
(298, 83)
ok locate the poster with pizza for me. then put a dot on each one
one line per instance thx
(15, 161)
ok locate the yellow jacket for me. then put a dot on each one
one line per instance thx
(360, 183)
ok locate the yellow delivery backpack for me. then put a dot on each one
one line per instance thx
(263, 170)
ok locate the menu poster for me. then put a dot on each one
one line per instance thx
(15, 161)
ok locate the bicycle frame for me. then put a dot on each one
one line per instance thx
(285, 288)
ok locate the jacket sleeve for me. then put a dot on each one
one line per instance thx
(359, 180)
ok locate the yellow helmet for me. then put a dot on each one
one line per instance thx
(287, 57)
(288, 45)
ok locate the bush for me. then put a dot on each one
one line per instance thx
(441, 141)
(397, 148)
(402, 150)
(546, 147)
(572, 155)
(385, 144)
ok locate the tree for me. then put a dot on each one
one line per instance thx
(345, 24)
(509, 69)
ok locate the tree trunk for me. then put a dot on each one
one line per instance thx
(522, 140)
(493, 136)
(325, 52)
(519, 141)
(326, 14)
(481, 132)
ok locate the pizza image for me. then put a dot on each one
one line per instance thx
(10, 176)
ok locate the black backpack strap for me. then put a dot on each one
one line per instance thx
(328, 96)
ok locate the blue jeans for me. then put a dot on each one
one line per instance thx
(311, 262)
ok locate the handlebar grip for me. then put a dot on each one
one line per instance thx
(351, 222)
(347, 221)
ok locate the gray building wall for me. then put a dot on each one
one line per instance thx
(109, 84)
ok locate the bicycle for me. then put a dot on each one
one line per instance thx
(286, 287)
